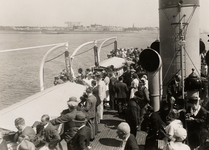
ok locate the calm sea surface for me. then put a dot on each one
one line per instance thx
(19, 70)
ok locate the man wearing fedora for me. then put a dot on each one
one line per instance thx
(24, 143)
(66, 118)
(81, 139)
(90, 110)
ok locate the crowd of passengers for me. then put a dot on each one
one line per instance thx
(180, 124)
(130, 54)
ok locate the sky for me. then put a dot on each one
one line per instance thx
(141, 13)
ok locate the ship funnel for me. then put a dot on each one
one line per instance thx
(179, 38)
(151, 61)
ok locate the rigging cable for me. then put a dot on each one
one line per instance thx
(55, 57)
(83, 52)
(107, 45)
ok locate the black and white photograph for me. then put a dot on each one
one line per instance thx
(104, 75)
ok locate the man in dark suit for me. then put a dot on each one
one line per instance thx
(155, 127)
(113, 80)
(132, 115)
(66, 118)
(127, 76)
(90, 110)
(50, 133)
(123, 132)
(81, 140)
(196, 119)
(23, 130)
(121, 90)
(174, 90)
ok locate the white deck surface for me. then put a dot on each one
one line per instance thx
(50, 101)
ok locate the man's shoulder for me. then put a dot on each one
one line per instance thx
(65, 111)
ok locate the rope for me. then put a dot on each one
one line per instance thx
(54, 57)
(84, 52)
(192, 61)
(20, 49)
(107, 45)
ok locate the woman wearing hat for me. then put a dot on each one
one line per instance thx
(180, 135)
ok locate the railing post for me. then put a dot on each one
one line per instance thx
(115, 45)
(96, 56)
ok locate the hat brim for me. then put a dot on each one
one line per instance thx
(78, 121)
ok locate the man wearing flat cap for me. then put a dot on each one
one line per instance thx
(66, 118)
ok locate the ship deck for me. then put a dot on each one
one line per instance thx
(107, 139)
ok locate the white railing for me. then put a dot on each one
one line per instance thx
(88, 43)
(41, 71)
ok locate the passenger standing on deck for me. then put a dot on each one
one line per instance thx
(129, 141)
(23, 129)
(155, 127)
(127, 76)
(66, 118)
(49, 133)
(88, 79)
(87, 72)
(95, 92)
(132, 114)
(81, 140)
(113, 80)
(134, 85)
(121, 91)
(90, 110)
(102, 94)
(80, 73)
(107, 81)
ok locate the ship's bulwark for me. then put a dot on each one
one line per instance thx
(50, 101)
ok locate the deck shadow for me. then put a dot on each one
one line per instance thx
(110, 123)
(110, 142)
(109, 113)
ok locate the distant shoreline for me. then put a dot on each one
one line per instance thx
(76, 32)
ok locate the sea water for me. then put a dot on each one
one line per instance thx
(19, 70)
